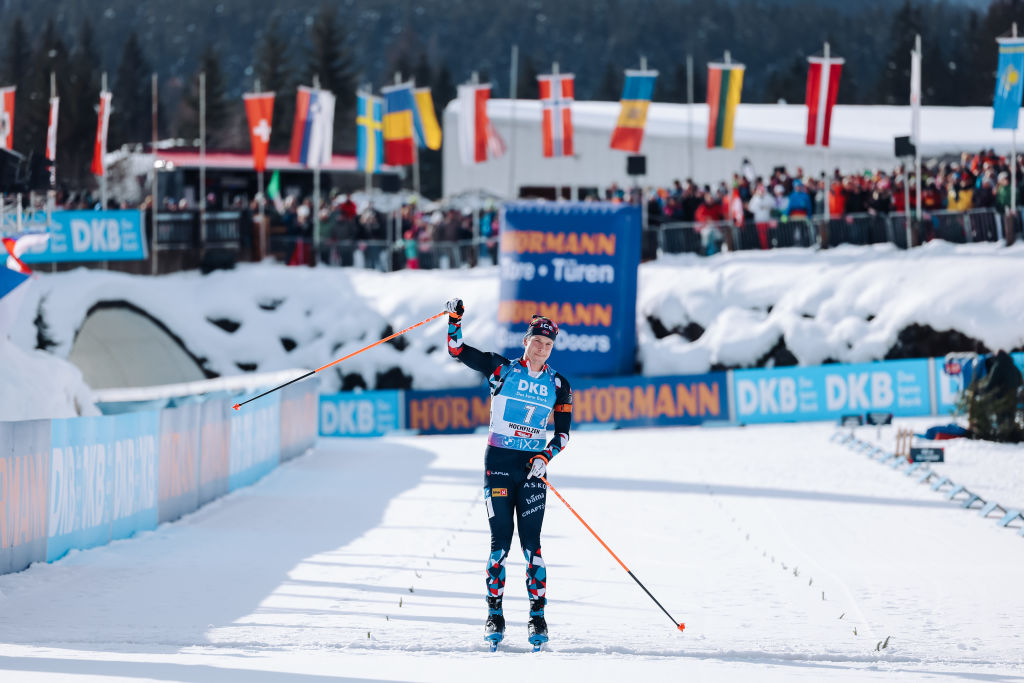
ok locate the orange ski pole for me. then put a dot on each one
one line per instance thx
(335, 362)
(679, 625)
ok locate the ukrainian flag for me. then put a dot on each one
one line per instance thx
(428, 132)
(369, 132)
(399, 146)
(636, 97)
(725, 81)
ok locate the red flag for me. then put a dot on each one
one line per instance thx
(822, 88)
(556, 98)
(259, 108)
(478, 139)
(51, 130)
(100, 146)
(7, 118)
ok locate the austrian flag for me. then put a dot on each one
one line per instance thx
(478, 140)
(556, 97)
(822, 87)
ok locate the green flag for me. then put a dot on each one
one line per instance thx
(274, 187)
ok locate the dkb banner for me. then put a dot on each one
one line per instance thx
(91, 236)
(576, 263)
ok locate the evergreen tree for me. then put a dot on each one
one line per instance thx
(33, 102)
(610, 89)
(331, 61)
(528, 87)
(131, 119)
(78, 111)
(220, 110)
(273, 70)
(16, 55)
(789, 82)
(423, 74)
(894, 81)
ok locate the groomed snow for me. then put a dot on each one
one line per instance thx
(788, 558)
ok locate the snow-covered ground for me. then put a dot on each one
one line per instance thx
(847, 304)
(787, 556)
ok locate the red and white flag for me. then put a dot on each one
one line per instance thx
(478, 140)
(100, 146)
(259, 108)
(7, 117)
(822, 87)
(51, 130)
(556, 98)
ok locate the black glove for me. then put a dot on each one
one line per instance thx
(455, 309)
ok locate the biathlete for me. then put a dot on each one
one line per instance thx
(524, 393)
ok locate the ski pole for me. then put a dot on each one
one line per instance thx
(313, 372)
(679, 625)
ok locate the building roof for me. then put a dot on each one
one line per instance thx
(189, 158)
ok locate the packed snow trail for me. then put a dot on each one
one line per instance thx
(788, 558)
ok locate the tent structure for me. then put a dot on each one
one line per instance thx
(768, 135)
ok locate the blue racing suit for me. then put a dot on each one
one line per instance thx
(521, 403)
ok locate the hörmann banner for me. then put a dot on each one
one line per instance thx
(576, 263)
(825, 392)
(91, 236)
(619, 402)
(24, 491)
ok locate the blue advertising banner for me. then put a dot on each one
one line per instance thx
(576, 263)
(299, 420)
(179, 461)
(795, 394)
(91, 236)
(24, 486)
(368, 413)
(255, 441)
(103, 479)
(618, 402)
(214, 449)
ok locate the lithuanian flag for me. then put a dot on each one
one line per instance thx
(636, 96)
(725, 81)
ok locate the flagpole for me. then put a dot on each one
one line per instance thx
(917, 142)
(689, 115)
(1013, 155)
(103, 176)
(316, 191)
(370, 140)
(513, 88)
(52, 192)
(554, 72)
(155, 187)
(202, 162)
(826, 74)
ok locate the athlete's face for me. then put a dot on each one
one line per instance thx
(538, 350)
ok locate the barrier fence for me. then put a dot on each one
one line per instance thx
(82, 482)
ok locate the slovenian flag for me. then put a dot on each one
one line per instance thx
(725, 81)
(636, 97)
(313, 129)
(398, 125)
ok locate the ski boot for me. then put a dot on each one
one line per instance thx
(494, 627)
(537, 627)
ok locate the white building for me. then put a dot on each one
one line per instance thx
(768, 135)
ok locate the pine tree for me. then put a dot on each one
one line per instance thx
(789, 82)
(331, 62)
(78, 111)
(273, 69)
(528, 87)
(893, 85)
(131, 117)
(610, 89)
(221, 112)
(16, 55)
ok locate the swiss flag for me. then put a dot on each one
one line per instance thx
(7, 117)
(259, 109)
(100, 145)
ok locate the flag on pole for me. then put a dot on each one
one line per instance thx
(725, 83)
(636, 97)
(14, 273)
(259, 110)
(1009, 84)
(313, 127)
(822, 87)
(7, 117)
(428, 132)
(274, 191)
(369, 132)
(556, 98)
(478, 139)
(51, 130)
(398, 125)
(100, 145)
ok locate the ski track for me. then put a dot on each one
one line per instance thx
(364, 561)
